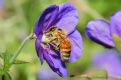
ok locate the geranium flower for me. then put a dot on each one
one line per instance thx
(56, 29)
(109, 61)
(46, 74)
(101, 31)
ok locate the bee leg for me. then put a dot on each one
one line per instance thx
(47, 47)
(55, 46)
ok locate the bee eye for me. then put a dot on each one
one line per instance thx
(60, 29)
(52, 29)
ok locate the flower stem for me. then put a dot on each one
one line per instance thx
(31, 36)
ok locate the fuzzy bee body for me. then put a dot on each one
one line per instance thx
(58, 40)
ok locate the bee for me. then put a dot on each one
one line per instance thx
(59, 42)
(65, 49)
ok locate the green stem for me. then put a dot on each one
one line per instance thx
(6, 67)
(20, 48)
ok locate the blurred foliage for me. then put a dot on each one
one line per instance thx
(17, 20)
(7, 77)
(91, 75)
(117, 42)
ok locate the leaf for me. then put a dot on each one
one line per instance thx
(7, 57)
(1, 63)
(7, 76)
(1, 59)
(1, 56)
(20, 62)
(117, 41)
(0, 72)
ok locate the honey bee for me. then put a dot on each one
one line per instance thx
(65, 49)
(59, 41)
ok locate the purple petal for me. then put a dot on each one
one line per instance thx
(99, 31)
(46, 19)
(115, 23)
(109, 61)
(55, 63)
(67, 17)
(76, 46)
(45, 73)
(39, 49)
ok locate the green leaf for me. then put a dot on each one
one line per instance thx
(1, 63)
(0, 72)
(7, 76)
(20, 62)
(117, 41)
(1, 56)
(7, 57)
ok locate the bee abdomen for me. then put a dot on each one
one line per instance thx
(65, 49)
(65, 56)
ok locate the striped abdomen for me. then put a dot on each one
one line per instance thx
(65, 49)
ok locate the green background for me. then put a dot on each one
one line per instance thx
(18, 18)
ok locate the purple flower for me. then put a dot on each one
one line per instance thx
(46, 74)
(57, 38)
(109, 61)
(101, 31)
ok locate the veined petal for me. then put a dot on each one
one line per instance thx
(55, 63)
(46, 19)
(76, 46)
(115, 23)
(99, 31)
(39, 48)
(67, 18)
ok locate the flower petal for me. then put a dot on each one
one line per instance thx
(67, 17)
(39, 49)
(45, 73)
(46, 19)
(76, 46)
(109, 61)
(115, 23)
(55, 63)
(99, 31)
